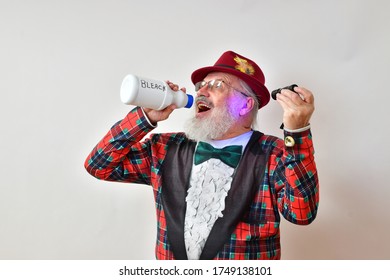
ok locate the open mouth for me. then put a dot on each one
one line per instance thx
(203, 107)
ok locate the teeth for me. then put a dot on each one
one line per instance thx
(203, 107)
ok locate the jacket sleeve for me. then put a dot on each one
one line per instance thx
(296, 179)
(120, 155)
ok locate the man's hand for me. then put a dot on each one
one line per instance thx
(298, 108)
(155, 116)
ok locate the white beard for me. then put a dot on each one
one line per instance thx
(213, 126)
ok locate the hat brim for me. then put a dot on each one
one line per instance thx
(259, 89)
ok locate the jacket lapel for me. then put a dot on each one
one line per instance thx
(175, 175)
(249, 175)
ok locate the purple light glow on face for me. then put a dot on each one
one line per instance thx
(235, 104)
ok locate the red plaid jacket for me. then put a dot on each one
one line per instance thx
(270, 179)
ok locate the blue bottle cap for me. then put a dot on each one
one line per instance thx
(190, 101)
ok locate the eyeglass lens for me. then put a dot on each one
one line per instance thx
(211, 85)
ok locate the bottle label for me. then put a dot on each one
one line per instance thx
(146, 84)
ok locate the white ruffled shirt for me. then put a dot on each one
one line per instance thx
(210, 183)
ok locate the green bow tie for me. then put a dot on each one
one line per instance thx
(229, 155)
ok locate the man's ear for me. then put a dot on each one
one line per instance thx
(248, 106)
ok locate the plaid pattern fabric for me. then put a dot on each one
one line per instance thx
(290, 185)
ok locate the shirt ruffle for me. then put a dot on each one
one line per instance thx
(209, 185)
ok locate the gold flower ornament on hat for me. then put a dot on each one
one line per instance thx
(244, 66)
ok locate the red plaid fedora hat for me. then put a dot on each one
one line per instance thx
(242, 67)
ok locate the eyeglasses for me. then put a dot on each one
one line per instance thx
(216, 85)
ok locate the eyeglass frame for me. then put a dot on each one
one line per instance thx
(212, 82)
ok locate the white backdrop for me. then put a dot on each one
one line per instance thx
(61, 65)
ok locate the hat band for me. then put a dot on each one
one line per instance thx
(235, 68)
(227, 66)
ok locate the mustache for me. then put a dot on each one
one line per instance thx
(204, 100)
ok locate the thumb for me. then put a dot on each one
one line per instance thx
(167, 111)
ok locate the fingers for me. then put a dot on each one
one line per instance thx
(173, 86)
(306, 94)
(299, 97)
(297, 106)
(289, 97)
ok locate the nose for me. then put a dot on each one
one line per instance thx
(203, 91)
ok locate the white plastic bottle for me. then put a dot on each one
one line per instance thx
(153, 94)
